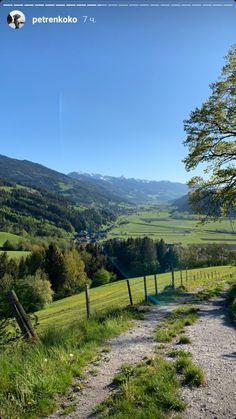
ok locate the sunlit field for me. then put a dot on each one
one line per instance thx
(115, 295)
(159, 225)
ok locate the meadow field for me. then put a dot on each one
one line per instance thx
(161, 224)
(115, 295)
(13, 238)
(16, 254)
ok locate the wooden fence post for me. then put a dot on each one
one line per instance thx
(145, 287)
(129, 292)
(22, 319)
(181, 279)
(155, 281)
(173, 279)
(87, 300)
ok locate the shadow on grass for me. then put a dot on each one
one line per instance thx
(168, 296)
(215, 306)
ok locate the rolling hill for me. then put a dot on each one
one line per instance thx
(36, 175)
(136, 191)
(205, 206)
(40, 212)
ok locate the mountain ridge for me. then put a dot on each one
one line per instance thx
(40, 176)
(136, 191)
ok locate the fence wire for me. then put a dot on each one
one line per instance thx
(115, 295)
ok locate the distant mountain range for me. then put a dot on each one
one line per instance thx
(136, 191)
(42, 201)
(87, 189)
(39, 176)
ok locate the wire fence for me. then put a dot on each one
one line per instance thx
(136, 290)
(116, 295)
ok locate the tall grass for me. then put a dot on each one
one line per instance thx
(31, 376)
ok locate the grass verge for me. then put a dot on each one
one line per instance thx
(31, 376)
(184, 340)
(149, 390)
(231, 297)
(175, 322)
(210, 292)
(192, 375)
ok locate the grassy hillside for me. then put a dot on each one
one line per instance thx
(16, 254)
(13, 238)
(115, 295)
(39, 176)
(38, 212)
(8, 236)
(173, 230)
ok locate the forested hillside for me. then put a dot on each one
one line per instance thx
(39, 176)
(136, 191)
(204, 206)
(39, 212)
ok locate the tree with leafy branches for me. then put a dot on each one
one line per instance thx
(211, 141)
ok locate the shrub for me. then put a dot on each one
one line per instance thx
(34, 292)
(101, 277)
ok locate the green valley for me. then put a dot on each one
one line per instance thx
(181, 228)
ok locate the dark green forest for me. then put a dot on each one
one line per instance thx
(50, 272)
(38, 212)
(144, 256)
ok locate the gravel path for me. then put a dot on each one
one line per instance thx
(214, 349)
(131, 347)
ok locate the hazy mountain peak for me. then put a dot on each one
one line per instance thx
(137, 191)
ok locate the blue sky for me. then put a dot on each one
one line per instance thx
(109, 97)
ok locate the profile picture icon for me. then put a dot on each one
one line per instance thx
(16, 19)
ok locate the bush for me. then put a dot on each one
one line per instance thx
(101, 277)
(34, 292)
